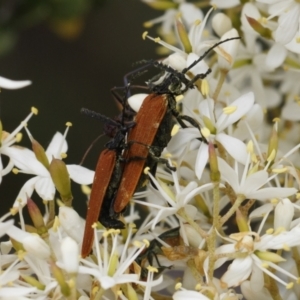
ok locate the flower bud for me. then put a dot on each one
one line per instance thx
(33, 282)
(242, 222)
(221, 23)
(269, 256)
(228, 50)
(59, 276)
(273, 144)
(263, 31)
(36, 217)
(61, 179)
(71, 222)
(284, 213)
(213, 162)
(183, 36)
(70, 254)
(40, 153)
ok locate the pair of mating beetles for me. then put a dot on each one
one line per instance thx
(135, 144)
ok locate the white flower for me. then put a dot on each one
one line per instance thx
(258, 256)
(221, 23)
(288, 12)
(7, 140)
(27, 162)
(218, 121)
(229, 49)
(175, 200)
(198, 46)
(252, 186)
(32, 243)
(188, 11)
(111, 268)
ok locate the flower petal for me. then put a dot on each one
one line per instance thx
(25, 160)
(12, 84)
(80, 174)
(201, 160)
(25, 192)
(45, 188)
(186, 294)
(254, 181)
(235, 147)
(57, 146)
(228, 174)
(238, 271)
(287, 27)
(269, 193)
(243, 104)
(253, 294)
(4, 226)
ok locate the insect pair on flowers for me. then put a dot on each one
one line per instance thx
(137, 141)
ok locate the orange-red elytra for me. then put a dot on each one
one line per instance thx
(107, 174)
(140, 139)
(103, 173)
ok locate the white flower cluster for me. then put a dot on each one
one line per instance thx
(226, 223)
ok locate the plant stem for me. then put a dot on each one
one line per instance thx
(223, 74)
(211, 241)
(232, 209)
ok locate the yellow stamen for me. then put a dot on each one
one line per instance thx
(144, 35)
(63, 155)
(147, 24)
(86, 189)
(152, 269)
(271, 156)
(289, 286)
(278, 171)
(178, 98)
(56, 224)
(137, 244)
(175, 129)
(178, 286)
(19, 136)
(34, 110)
(14, 211)
(146, 170)
(15, 171)
(229, 110)
(250, 147)
(274, 201)
(204, 87)
(205, 132)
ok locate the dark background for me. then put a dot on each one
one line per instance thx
(69, 75)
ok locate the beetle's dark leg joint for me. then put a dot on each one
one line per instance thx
(161, 160)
